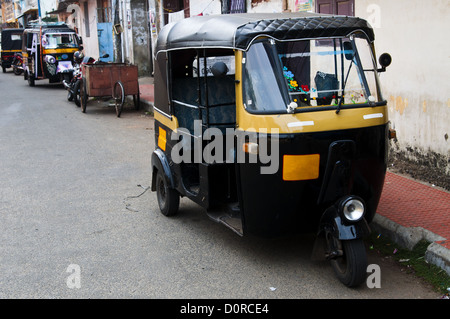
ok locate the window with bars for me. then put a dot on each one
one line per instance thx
(233, 6)
(336, 7)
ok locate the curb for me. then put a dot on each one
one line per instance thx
(408, 237)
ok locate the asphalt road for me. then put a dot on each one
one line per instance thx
(76, 220)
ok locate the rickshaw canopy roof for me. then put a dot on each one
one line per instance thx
(237, 31)
(50, 28)
(7, 42)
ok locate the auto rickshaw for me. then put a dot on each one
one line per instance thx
(11, 43)
(275, 124)
(47, 51)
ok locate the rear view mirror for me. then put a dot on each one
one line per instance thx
(384, 60)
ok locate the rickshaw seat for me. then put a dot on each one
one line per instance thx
(328, 83)
(221, 101)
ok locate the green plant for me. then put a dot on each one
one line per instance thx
(414, 261)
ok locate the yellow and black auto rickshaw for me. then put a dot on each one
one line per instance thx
(47, 51)
(275, 124)
(11, 43)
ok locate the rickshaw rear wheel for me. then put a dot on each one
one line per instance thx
(168, 198)
(351, 267)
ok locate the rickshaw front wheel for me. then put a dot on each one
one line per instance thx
(168, 198)
(30, 79)
(351, 267)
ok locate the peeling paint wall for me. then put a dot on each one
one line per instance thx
(88, 28)
(140, 36)
(416, 85)
(265, 6)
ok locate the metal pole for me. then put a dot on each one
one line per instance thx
(39, 10)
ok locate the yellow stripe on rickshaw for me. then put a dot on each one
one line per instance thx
(55, 51)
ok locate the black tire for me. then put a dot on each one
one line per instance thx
(83, 96)
(16, 69)
(76, 93)
(168, 198)
(69, 95)
(119, 97)
(351, 268)
(31, 79)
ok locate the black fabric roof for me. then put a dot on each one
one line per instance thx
(7, 42)
(237, 31)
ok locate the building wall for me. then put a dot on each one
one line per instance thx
(90, 39)
(416, 85)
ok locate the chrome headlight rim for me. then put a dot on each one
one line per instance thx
(352, 208)
(50, 59)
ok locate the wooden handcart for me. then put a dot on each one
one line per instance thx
(115, 80)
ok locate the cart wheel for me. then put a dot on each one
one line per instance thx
(31, 79)
(137, 101)
(351, 267)
(83, 96)
(119, 96)
(168, 198)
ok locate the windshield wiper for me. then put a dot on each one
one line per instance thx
(343, 89)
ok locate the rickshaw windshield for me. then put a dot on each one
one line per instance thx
(59, 40)
(319, 74)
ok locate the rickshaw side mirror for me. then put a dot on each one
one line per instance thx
(348, 51)
(385, 60)
(219, 69)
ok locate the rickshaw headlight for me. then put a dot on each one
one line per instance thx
(50, 59)
(352, 208)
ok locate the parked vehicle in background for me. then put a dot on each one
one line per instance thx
(11, 44)
(48, 51)
(17, 63)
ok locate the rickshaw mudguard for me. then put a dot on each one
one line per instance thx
(332, 223)
(160, 163)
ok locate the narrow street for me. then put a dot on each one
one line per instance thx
(74, 197)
